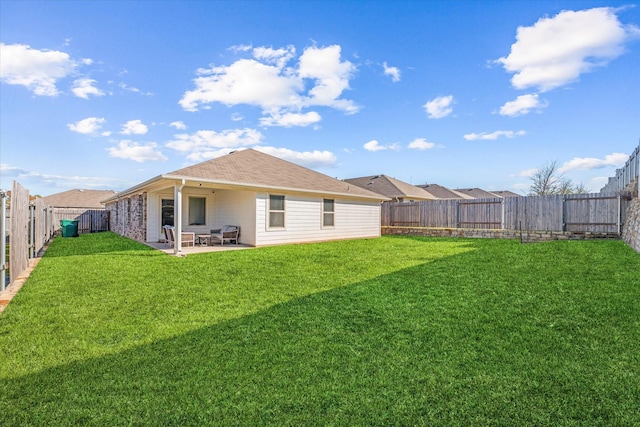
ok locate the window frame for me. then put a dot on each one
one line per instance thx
(328, 214)
(271, 211)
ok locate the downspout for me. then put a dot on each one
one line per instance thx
(177, 207)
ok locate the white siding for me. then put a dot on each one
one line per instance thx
(236, 208)
(303, 221)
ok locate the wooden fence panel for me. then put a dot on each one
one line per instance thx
(39, 225)
(480, 213)
(89, 220)
(577, 213)
(439, 213)
(19, 243)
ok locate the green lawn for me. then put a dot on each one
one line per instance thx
(389, 331)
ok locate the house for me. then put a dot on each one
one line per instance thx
(476, 193)
(78, 199)
(443, 193)
(82, 205)
(396, 190)
(506, 193)
(273, 201)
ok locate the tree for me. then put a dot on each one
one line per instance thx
(548, 179)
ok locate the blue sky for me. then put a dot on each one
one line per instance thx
(105, 95)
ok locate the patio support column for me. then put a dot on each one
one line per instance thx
(177, 210)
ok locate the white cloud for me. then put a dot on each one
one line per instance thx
(84, 87)
(394, 72)
(439, 107)
(267, 81)
(528, 173)
(291, 119)
(133, 89)
(87, 126)
(37, 70)
(178, 125)
(278, 57)
(374, 145)
(522, 105)
(588, 163)
(134, 127)
(131, 150)
(311, 159)
(62, 181)
(421, 144)
(494, 135)
(208, 140)
(556, 51)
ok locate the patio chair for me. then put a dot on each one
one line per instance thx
(168, 235)
(188, 237)
(228, 233)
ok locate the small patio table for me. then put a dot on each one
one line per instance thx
(203, 239)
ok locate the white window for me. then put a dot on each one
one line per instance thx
(328, 213)
(276, 211)
(197, 210)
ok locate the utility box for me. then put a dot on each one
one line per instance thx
(69, 228)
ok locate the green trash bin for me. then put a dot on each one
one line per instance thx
(69, 228)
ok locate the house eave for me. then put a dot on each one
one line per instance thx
(232, 185)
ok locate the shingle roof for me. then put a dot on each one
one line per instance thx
(78, 198)
(391, 187)
(253, 169)
(506, 193)
(443, 193)
(477, 193)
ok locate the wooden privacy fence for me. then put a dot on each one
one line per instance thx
(29, 225)
(625, 175)
(598, 213)
(89, 220)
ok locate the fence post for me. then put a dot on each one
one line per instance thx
(3, 243)
(502, 214)
(564, 213)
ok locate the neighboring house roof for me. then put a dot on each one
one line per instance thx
(506, 193)
(253, 170)
(444, 193)
(477, 193)
(77, 198)
(391, 187)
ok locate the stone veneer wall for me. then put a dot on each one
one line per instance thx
(135, 217)
(527, 236)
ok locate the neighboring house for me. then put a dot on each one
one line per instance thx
(82, 205)
(396, 190)
(506, 193)
(443, 193)
(78, 199)
(272, 200)
(476, 193)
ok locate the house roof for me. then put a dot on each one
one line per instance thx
(391, 187)
(78, 198)
(253, 170)
(477, 193)
(506, 193)
(441, 192)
